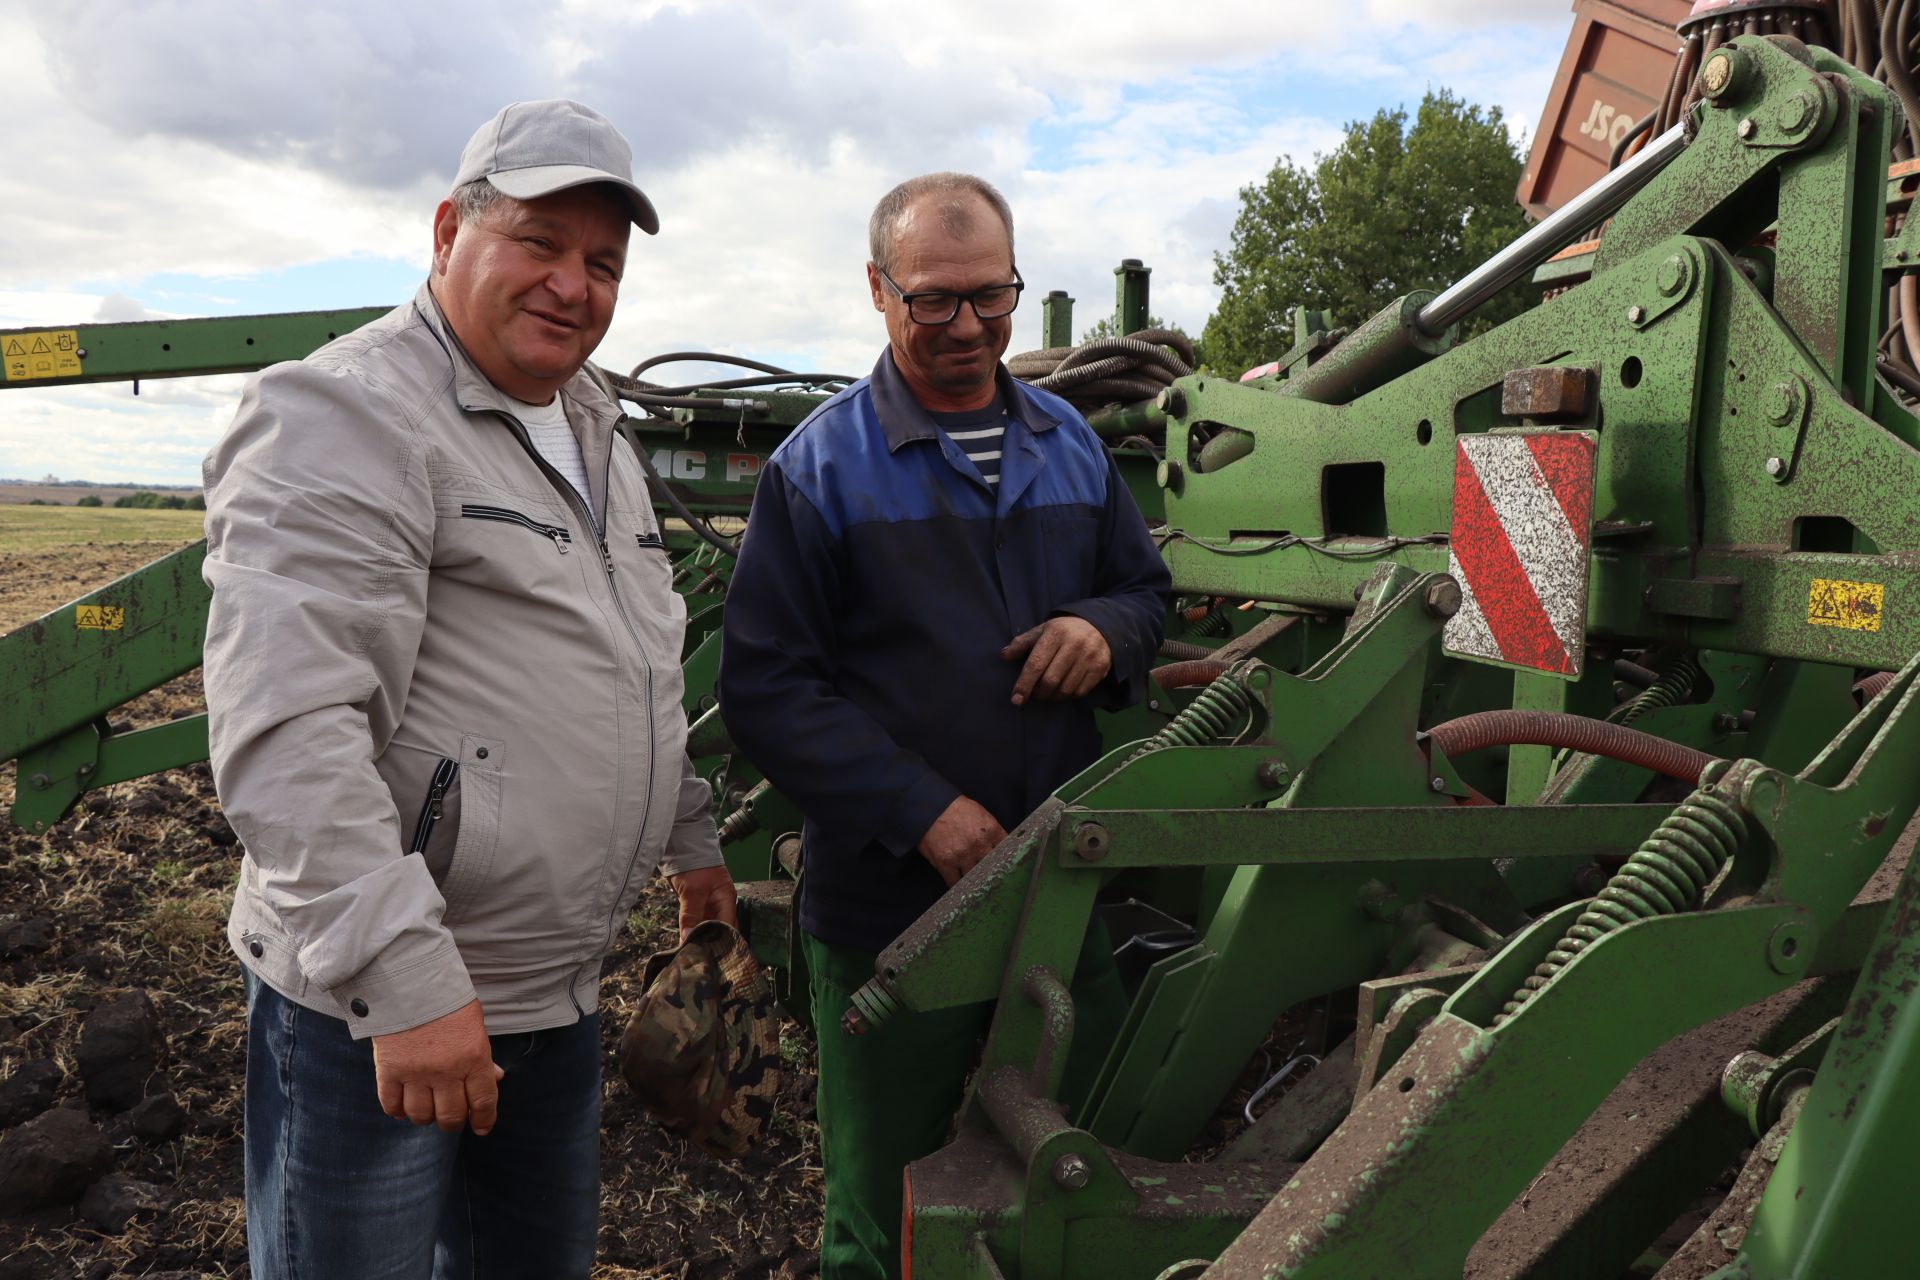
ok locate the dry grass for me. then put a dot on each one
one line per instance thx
(44, 528)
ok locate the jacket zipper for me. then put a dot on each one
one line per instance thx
(574, 499)
(433, 808)
(562, 538)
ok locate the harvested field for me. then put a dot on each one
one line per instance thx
(130, 894)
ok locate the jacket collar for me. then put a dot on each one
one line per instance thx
(476, 393)
(902, 420)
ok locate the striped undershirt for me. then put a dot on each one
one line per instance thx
(979, 433)
(552, 436)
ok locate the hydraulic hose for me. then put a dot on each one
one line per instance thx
(1575, 733)
(1108, 370)
(719, 542)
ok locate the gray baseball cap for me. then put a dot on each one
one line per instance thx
(533, 149)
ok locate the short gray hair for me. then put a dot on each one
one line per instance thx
(473, 199)
(955, 211)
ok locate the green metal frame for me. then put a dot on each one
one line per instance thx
(1747, 453)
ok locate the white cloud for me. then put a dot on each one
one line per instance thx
(208, 141)
(118, 308)
(104, 432)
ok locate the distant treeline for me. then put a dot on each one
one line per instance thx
(145, 500)
(52, 482)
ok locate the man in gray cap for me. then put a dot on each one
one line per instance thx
(444, 695)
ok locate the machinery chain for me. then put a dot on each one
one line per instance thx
(1665, 877)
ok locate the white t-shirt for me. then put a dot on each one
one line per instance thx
(553, 436)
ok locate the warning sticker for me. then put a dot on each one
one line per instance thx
(53, 354)
(99, 617)
(1856, 606)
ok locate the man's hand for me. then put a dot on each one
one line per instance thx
(960, 837)
(1066, 657)
(440, 1072)
(706, 894)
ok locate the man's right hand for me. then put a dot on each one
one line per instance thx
(960, 837)
(440, 1072)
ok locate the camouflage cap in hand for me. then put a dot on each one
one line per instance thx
(702, 1051)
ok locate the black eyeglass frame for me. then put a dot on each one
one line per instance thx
(1018, 286)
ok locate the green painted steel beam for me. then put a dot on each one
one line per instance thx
(1374, 835)
(76, 664)
(168, 348)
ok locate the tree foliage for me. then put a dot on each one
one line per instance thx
(1104, 328)
(146, 499)
(1390, 210)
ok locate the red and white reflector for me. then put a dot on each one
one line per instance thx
(1522, 531)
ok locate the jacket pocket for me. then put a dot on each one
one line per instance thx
(476, 842)
(439, 813)
(1070, 548)
(560, 536)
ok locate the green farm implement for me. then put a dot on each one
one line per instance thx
(1513, 840)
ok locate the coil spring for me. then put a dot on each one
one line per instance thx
(1213, 623)
(1674, 686)
(1212, 712)
(1665, 877)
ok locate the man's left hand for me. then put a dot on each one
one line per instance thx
(706, 894)
(1066, 657)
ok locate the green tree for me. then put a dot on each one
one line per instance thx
(1390, 210)
(91, 500)
(1104, 328)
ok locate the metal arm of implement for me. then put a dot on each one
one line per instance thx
(1677, 499)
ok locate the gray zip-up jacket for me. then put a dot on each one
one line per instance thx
(445, 711)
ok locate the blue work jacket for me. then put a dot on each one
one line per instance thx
(879, 578)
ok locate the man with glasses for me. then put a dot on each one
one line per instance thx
(943, 576)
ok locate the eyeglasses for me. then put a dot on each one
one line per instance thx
(932, 306)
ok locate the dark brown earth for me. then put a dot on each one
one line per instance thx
(136, 884)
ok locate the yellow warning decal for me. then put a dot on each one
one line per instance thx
(53, 354)
(1856, 606)
(99, 617)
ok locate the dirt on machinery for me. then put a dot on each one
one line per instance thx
(130, 893)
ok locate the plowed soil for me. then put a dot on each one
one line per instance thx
(136, 883)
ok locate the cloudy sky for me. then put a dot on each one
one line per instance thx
(210, 157)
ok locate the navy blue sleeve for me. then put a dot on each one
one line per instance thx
(777, 689)
(1129, 601)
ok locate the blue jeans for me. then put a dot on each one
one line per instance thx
(337, 1189)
